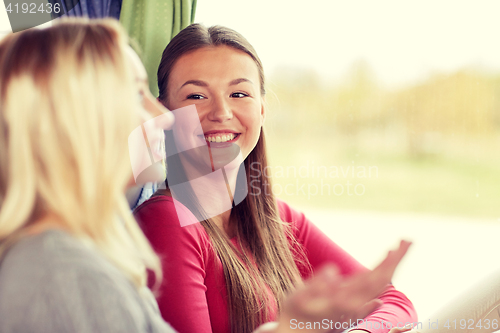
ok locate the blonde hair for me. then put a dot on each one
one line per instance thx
(67, 105)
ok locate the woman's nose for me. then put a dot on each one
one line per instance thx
(153, 106)
(220, 110)
(159, 117)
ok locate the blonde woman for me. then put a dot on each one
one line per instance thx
(72, 258)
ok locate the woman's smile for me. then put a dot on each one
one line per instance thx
(223, 136)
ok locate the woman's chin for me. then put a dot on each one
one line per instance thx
(228, 164)
(227, 157)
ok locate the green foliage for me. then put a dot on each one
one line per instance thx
(435, 143)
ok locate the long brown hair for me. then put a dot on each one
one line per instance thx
(258, 225)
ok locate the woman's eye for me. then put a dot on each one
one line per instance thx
(195, 96)
(238, 95)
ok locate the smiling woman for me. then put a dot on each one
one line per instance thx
(231, 272)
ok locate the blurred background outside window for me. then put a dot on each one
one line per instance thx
(383, 121)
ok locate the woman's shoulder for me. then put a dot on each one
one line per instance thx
(55, 275)
(156, 204)
(52, 260)
(302, 228)
(289, 214)
(164, 209)
(47, 252)
(168, 223)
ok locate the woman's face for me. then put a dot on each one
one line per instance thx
(223, 83)
(145, 142)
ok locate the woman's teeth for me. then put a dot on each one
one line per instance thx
(220, 138)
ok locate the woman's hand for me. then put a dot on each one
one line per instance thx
(329, 298)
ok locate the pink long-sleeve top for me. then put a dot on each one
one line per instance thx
(192, 296)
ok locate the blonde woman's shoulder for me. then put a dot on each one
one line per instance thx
(52, 282)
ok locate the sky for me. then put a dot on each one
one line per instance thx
(402, 40)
